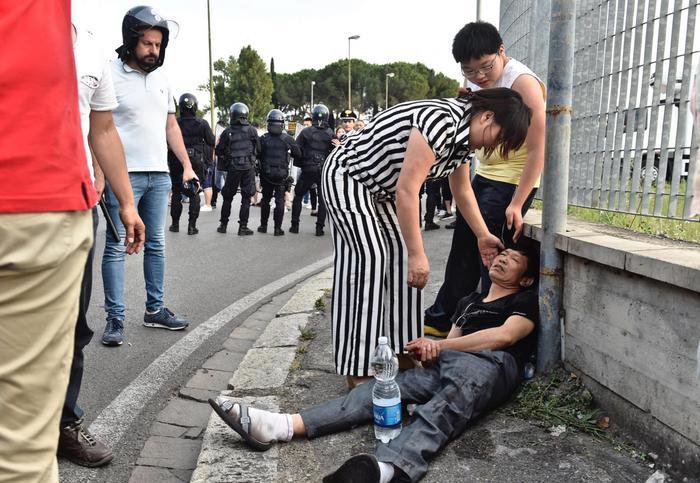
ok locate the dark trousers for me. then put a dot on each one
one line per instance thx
(214, 194)
(305, 182)
(460, 387)
(83, 334)
(176, 198)
(433, 200)
(246, 180)
(464, 268)
(270, 190)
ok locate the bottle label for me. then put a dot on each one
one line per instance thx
(387, 412)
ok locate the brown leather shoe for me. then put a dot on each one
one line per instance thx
(75, 443)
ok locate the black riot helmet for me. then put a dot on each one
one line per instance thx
(191, 188)
(188, 104)
(238, 113)
(319, 115)
(275, 121)
(134, 23)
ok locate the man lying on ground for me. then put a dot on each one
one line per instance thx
(475, 369)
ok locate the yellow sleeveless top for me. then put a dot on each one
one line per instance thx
(506, 170)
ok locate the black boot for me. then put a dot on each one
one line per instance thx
(319, 231)
(175, 227)
(222, 228)
(192, 229)
(279, 232)
(294, 228)
(262, 229)
(431, 225)
(243, 230)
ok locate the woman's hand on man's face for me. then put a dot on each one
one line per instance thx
(418, 270)
(489, 247)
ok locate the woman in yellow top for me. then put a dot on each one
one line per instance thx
(504, 187)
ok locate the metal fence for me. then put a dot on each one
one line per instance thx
(633, 145)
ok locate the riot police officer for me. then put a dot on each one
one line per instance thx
(238, 147)
(199, 142)
(315, 143)
(275, 147)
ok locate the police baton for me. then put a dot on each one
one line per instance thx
(110, 223)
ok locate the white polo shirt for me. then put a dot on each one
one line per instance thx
(95, 88)
(145, 100)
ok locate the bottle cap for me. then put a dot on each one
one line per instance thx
(383, 340)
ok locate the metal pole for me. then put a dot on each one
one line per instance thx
(349, 77)
(386, 96)
(556, 179)
(211, 72)
(478, 9)
(312, 93)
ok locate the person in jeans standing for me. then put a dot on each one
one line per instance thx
(504, 187)
(147, 126)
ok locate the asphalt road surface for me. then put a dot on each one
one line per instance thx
(204, 274)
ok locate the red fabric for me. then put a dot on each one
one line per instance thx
(42, 160)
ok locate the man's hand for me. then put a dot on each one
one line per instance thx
(135, 229)
(489, 247)
(514, 217)
(188, 174)
(424, 349)
(418, 270)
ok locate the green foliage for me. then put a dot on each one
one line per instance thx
(320, 303)
(243, 79)
(306, 334)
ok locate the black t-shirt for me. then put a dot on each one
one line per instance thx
(473, 314)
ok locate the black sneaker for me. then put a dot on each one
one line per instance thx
(114, 332)
(164, 319)
(192, 230)
(452, 225)
(244, 231)
(174, 228)
(77, 444)
(262, 229)
(294, 229)
(319, 231)
(430, 226)
(222, 228)
(279, 232)
(361, 468)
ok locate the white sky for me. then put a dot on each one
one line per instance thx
(297, 33)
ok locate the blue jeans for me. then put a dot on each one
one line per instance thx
(151, 198)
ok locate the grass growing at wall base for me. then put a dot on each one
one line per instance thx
(650, 225)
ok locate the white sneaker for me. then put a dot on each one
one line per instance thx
(206, 208)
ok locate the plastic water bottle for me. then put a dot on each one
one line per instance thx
(386, 396)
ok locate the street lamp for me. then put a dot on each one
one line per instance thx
(386, 85)
(352, 37)
(313, 83)
(211, 74)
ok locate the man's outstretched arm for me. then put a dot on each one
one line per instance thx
(515, 328)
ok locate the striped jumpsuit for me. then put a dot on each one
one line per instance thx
(370, 293)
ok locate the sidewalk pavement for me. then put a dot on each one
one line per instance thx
(285, 372)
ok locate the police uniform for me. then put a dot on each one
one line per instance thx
(315, 144)
(274, 171)
(237, 149)
(199, 142)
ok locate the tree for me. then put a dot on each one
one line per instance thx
(243, 79)
(253, 85)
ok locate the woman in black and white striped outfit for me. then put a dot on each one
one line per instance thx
(371, 184)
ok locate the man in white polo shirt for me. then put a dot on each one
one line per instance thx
(96, 99)
(147, 126)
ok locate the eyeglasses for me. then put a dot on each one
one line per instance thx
(483, 71)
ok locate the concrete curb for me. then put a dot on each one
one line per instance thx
(263, 370)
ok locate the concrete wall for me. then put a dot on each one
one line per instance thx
(631, 329)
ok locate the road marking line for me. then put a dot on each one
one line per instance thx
(114, 420)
